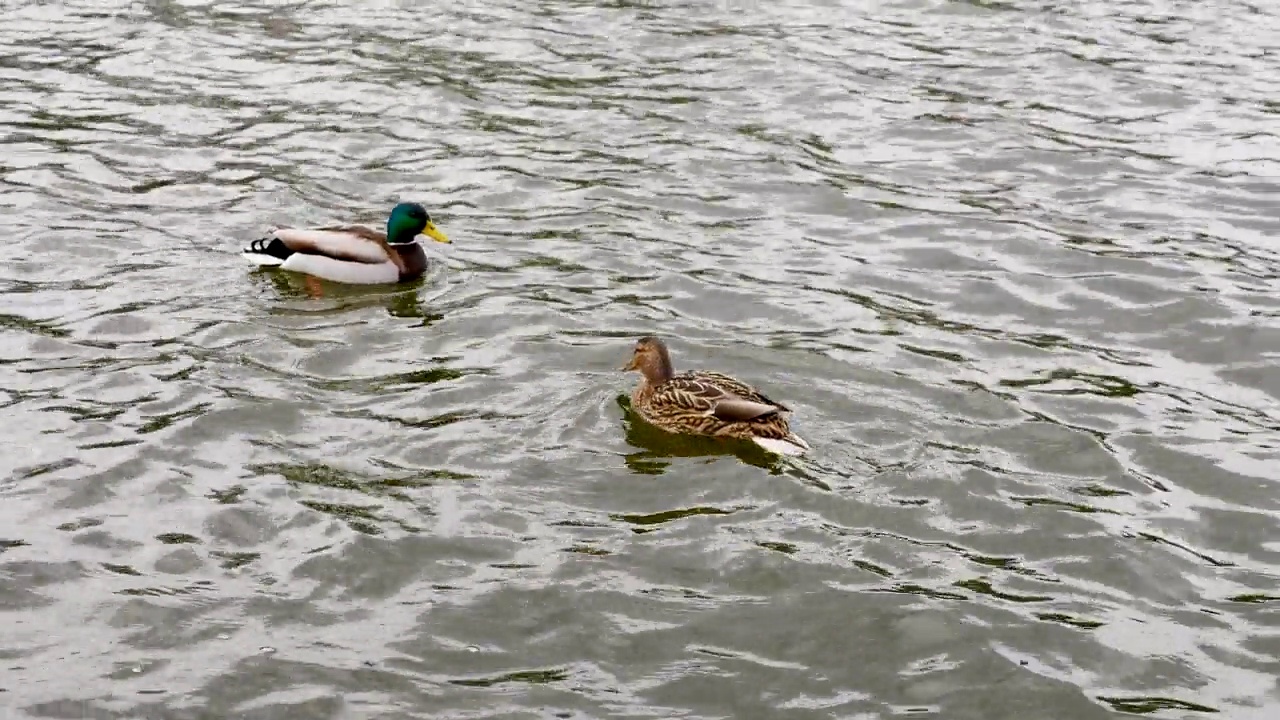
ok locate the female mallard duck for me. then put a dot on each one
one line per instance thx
(707, 403)
(352, 253)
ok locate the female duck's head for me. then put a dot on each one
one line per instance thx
(409, 219)
(651, 358)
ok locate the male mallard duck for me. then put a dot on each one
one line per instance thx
(707, 403)
(352, 253)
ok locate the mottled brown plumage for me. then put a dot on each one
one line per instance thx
(707, 403)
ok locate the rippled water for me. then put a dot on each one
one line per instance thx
(1014, 265)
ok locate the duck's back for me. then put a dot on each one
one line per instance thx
(732, 386)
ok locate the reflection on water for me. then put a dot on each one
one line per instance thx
(1013, 266)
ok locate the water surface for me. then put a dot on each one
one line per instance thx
(1013, 264)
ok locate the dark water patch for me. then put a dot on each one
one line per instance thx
(1149, 705)
(1070, 620)
(176, 538)
(984, 587)
(533, 677)
(667, 516)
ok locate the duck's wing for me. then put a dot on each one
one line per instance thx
(734, 386)
(347, 246)
(738, 410)
(351, 243)
(697, 393)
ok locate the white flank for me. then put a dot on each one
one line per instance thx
(343, 271)
(337, 243)
(783, 447)
(261, 259)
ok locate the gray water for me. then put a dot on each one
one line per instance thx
(1012, 264)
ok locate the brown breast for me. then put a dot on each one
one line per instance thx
(414, 259)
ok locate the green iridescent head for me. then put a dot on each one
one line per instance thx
(407, 220)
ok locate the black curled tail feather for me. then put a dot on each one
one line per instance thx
(270, 246)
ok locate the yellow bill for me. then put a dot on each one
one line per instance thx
(434, 233)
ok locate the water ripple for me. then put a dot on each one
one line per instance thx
(1014, 266)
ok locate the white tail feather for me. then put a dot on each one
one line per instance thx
(793, 445)
(262, 259)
